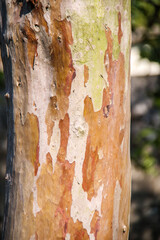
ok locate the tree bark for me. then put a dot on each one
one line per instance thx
(66, 65)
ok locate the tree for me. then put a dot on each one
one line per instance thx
(66, 65)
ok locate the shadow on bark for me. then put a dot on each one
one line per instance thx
(5, 41)
(27, 6)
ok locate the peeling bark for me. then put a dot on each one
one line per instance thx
(66, 65)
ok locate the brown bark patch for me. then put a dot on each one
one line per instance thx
(29, 33)
(64, 73)
(30, 140)
(48, 158)
(38, 21)
(64, 128)
(38, 15)
(62, 58)
(56, 9)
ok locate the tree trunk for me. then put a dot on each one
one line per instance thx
(66, 64)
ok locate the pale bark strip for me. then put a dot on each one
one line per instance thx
(66, 64)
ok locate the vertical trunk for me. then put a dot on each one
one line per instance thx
(66, 64)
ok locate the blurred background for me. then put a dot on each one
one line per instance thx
(145, 122)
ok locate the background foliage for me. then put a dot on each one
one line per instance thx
(146, 28)
(145, 147)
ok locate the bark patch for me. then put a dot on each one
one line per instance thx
(86, 75)
(31, 140)
(29, 33)
(61, 59)
(38, 15)
(95, 224)
(55, 199)
(89, 169)
(105, 132)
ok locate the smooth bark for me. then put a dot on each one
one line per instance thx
(66, 65)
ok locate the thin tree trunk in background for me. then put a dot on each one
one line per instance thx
(66, 64)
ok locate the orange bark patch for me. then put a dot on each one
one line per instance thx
(62, 58)
(55, 199)
(86, 74)
(120, 33)
(105, 136)
(64, 128)
(77, 231)
(29, 33)
(64, 73)
(48, 158)
(38, 15)
(89, 168)
(95, 224)
(93, 166)
(56, 9)
(31, 140)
